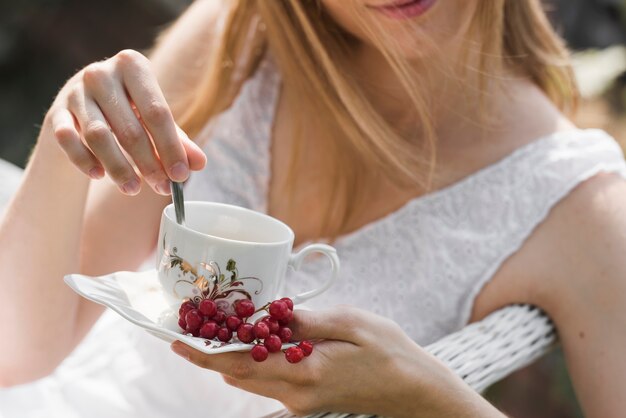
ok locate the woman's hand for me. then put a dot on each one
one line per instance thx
(364, 364)
(112, 116)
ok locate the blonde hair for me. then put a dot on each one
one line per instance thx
(311, 50)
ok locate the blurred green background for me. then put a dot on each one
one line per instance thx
(44, 42)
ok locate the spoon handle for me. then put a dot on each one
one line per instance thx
(179, 202)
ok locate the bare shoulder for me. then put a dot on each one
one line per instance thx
(583, 242)
(574, 267)
(578, 252)
(193, 28)
(181, 52)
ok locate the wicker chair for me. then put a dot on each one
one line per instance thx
(481, 353)
(484, 352)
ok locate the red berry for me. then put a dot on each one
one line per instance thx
(279, 309)
(193, 332)
(208, 308)
(181, 323)
(259, 353)
(261, 330)
(285, 334)
(245, 333)
(219, 317)
(209, 330)
(272, 324)
(289, 302)
(287, 319)
(306, 347)
(273, 343)
(224, 334)
(185, 307)
(233, 322)
(193, 319)
(294, 354)
(244, 308)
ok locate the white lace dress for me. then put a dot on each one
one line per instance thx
(421, 265)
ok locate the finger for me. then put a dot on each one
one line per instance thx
(237, 365)
(64, 129)
(274, 389)
(143, 88)
(232, 364)
(342, 323)
(99, 138)
(112, 100)
(195, 156)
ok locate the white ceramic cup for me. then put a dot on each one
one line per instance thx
(227, 253)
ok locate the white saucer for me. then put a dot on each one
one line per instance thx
(137, 297)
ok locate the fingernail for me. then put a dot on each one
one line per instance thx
(179, 171)
(163, 187)
(131, 187)
(96, 173)
(181, 350)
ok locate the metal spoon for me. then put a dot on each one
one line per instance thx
(179, 202)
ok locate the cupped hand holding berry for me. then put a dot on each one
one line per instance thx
(112, 116)
(363, 363)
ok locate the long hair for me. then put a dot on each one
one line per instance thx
(311, 51)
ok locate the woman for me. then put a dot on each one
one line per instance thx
(425, 138)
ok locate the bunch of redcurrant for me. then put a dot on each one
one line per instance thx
(268, 334)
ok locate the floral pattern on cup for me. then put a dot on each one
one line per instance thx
(206, 281)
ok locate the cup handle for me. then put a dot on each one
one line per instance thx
(296, 259)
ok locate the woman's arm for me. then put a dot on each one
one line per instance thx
(121, 232)
(584, 290)
(58, 223)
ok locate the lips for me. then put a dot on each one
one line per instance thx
(398, 3)
(403, 9)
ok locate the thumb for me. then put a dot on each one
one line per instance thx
(341, 323)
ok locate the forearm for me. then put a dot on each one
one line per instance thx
(460, 403)
(431, 390)
(40, 241)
